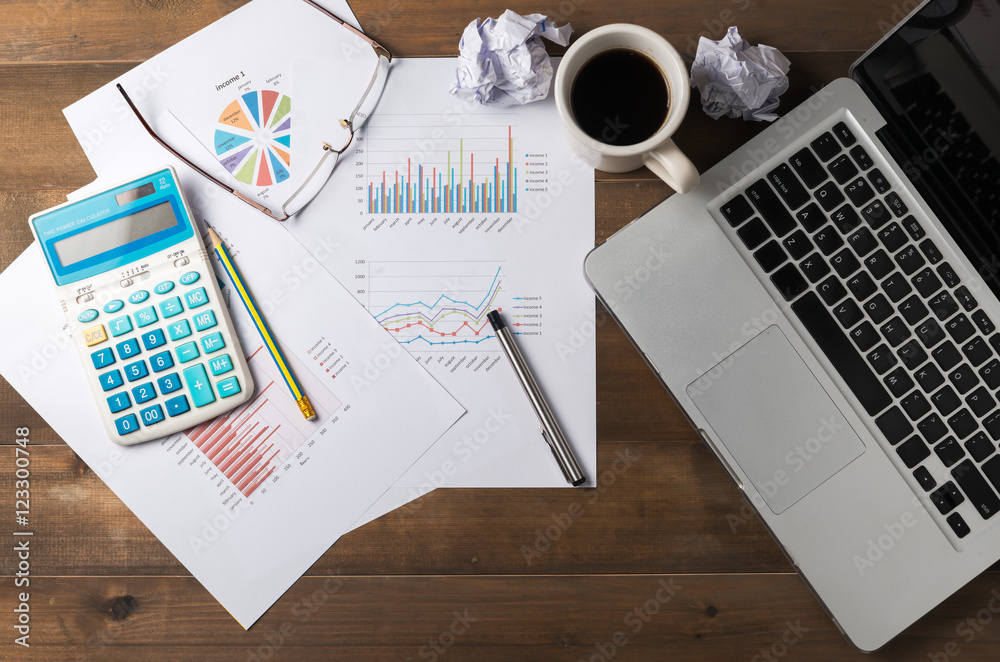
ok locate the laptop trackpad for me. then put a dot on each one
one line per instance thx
(782, 428)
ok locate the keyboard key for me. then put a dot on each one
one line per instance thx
(103, 358)
(835, 345)
(111, 379)
(825, 146)
(878, 308)
(859, 191)
(991, 374)
(946, 400)
(789, 282)
(876, 215)
(95, 335)
(913, 310)
(879, 264)
(832, 290)
(770, 256)
(126, 424)
(198, 385)
(797, 244)
(925, 281)
(144, 392)
(879, 181)
(909, 260)
(842, 169)
(145, 316)
(151, 415)
(845, 218)
(187, 352)
(895, 203)
(983, 322)
(864, 336)
(947, 498)
(929, 377)
(894, 425)
(170, 307)
(189, 278)
(753, 234)
(810, 217)
(948, 275)
(992, 425)
(992, 470)
(195, 298)
(925, 478)
(930, 333)
(882, 359)
(177, 406)
(114, 306)
(120, 325)
(964, 378)
(898, 381)
(844, 263)
(788, 186)
(809, 169)
(138, 296)
(912, 354)
(949, 451)
(946, 356)
(980, 494)
(963, 423)
(87, 316)
(980, 402)
(895, 332)
(164, 287)
(913, 451)
(892, 237)
(960, 328)
(220, 365)
(977, 351)
(153, 339)
(915, 405)
(814, 267)
(212, 342)
(848, 313)
(828, 240)
(168, 383)
(179, 329)
(829, 196)
(861, 158)
(965, 299)
(980, 447)
(228, 387)
(958, 525)
(896, 287)
(913, 228)
(137, 370)
(119, 402)
(862, 286)
(931, 251)
(160, 362)
(127, 349)
(737, 210)
(770, 208)
(862, 241)
(843, 134)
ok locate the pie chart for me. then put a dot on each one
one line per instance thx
(253, 139)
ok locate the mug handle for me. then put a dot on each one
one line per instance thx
(669, 164)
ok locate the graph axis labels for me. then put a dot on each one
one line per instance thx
(253, 137)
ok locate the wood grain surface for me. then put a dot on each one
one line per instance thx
(664, 560)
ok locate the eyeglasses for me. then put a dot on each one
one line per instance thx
(321, 172)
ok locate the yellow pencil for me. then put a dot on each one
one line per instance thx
(265, 333)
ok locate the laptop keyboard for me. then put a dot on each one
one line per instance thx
(889, 312)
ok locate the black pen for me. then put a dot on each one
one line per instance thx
(549, 428)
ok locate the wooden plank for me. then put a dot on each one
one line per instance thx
(53, 30)
(656, 505)
(629, 617)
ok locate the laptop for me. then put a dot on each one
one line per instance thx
(824, 309)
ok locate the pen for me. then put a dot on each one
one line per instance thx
(265, 333)
(549, 428)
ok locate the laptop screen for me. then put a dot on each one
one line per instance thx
(936, 80)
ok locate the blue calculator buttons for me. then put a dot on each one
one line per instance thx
(119, 402)
(151, 415)
(189, 278)
(126, 424)
(87, 316)
(153, 339)
(187, 352)
(177, 405)
(114, 306)
(213, 342)
(197, 382)
(137, 370)
(205, 320)
(120, 325)
(220, 365)
(196, 297)
(127, 349)
(145, 316)
(164, 287)
(169, 383)
(143, 393)
(112, 379)
(103, 358)
(160, 362)
(228, 387)
(138, 296)
(170, 307)
(178, 330)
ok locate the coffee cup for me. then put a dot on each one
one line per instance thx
(621, 91)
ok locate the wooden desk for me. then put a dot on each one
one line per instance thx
(459, 574)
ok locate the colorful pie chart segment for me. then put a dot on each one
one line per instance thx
(253, 140)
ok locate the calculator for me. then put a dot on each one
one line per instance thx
(144, 308)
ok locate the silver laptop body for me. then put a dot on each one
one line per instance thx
(880, 522)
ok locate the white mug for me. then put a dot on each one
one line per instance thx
(658, 152)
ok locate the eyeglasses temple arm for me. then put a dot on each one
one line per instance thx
(379, 48)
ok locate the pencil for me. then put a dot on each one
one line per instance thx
(265, 333)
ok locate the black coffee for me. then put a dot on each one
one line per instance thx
(620, 97)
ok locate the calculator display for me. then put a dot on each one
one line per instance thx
(117, 233)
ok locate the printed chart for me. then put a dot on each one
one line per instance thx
(253, 139)
(251, 442)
